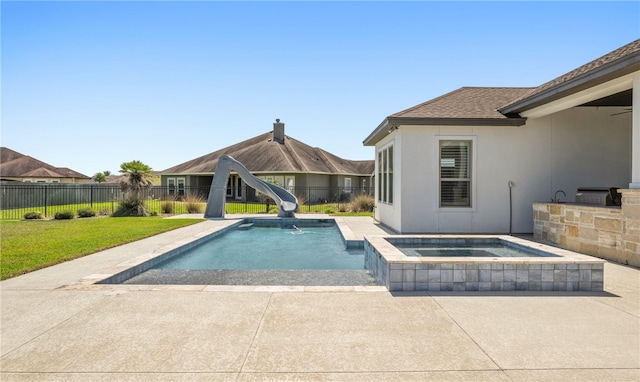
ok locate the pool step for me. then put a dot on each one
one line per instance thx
(245, 226)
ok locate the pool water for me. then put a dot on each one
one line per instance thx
(462, 250)
(261, 248)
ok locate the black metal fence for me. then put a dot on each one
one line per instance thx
(16, 199)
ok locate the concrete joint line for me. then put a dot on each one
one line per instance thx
(253, 345)
(467, 334)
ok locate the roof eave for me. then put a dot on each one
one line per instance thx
(378, 133)
(624, 66)
(381, 131)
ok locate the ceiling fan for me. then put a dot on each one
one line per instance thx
(625, 111)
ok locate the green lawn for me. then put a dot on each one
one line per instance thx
(155, 206)
(26, 246)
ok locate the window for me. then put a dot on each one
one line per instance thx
(180, 186)
(385, 175)
(455, 173)
(380, 176)
(171, 186)
(239, 188)
(290, 184)
(347, 185)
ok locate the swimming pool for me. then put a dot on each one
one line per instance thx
(258, 251)
(537, 267)
(265, 246)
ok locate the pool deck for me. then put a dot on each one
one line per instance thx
(55, 328)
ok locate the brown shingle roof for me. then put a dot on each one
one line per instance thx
(16, 165)
(261, 154)
(465, 103)
(42, 173)
(621, 61)
(465, 106)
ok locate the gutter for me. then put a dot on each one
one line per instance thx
(385, 127)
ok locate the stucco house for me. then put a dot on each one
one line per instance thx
(478, 160)
(309, 172)
(17, 167)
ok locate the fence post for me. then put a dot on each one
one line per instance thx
(45, 200)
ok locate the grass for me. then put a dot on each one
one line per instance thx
(35, 244)
(177, 208)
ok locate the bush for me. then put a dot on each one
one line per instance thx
(363, 203)
(167, 206)
(86, 213)
(34, 215)
(64, 215)
(302, 200)
(131, 207)
(104, 212)
(194, 204)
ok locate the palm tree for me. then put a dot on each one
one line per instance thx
(99, 177)
(136, 177)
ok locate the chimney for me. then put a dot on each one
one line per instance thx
(278, 132)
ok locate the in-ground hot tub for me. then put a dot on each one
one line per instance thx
(469, 263)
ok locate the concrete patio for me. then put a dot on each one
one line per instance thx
(54, 329)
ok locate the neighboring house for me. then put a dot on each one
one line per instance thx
(476, 159)
(23, 168)
(309, 172)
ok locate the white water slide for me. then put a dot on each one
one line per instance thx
(286, 201)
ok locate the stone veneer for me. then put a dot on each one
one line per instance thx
(564, 271)
(611, 233)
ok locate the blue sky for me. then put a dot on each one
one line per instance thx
(89, 85)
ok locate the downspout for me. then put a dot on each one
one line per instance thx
(511, 185)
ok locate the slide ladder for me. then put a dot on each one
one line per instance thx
(286, 201)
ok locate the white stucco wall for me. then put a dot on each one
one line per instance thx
(566, 150)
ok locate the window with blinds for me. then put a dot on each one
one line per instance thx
(455, 173)
(385, 175)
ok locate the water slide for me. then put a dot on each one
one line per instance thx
(286, 201)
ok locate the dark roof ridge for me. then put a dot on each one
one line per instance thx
(294, 153)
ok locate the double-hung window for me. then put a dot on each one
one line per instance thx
(385, 175)
(455, 173)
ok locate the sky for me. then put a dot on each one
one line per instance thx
(89, 85)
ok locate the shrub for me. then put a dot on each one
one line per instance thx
(86, 213)
(34, 215)
(64, 215)
(363, 203)
(104, 212)
(343, 208)
(167, 205)
(329, 211)
(194, 204)
(131, 207)
(302, 200)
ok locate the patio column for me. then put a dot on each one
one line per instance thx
(635, 134)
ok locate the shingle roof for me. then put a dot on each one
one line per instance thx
(621, 61)
(475, 106)
(465, 103)
(16, 165)
(261, 154)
